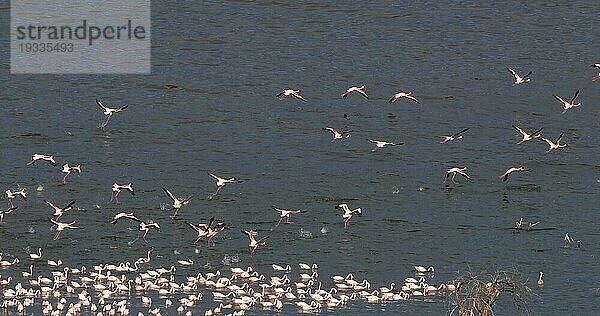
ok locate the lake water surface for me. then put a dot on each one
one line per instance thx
(230, 59)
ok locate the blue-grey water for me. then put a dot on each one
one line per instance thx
(230, 59)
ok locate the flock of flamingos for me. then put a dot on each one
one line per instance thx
(108, 289)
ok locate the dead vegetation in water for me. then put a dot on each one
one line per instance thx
(477, 293)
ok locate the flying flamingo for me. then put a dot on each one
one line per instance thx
(504, 176)
(290, 93)
(253, 242)
(355, 89)
(108, 112)
(518, 79)
(454, 171)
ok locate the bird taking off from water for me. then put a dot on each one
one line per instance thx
(348, 213)
(286, 214)
(221, 182)
(117, 188)
(454, 171)
(254, 243)
(108, 112)
(62, 226)
(177, 203)
(68, 170)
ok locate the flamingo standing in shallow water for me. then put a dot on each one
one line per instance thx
(144, 260)
(277, 267)
(421, 269)
(36, 256)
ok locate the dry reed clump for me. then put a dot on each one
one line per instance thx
(476, 293)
